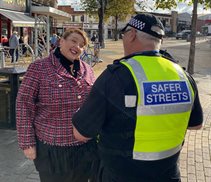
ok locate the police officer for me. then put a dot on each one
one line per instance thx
(141, 107)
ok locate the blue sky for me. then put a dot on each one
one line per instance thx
(182, 7)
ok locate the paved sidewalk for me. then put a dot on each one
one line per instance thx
(195, 160)
(14, 167)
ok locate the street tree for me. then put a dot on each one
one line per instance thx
(96, 8)
(168, 4)
(119, 9)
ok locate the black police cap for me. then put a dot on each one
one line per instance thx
(144, 23)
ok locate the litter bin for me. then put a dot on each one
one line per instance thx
(4, 104)
(9, 84)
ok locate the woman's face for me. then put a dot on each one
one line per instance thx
(72, 46)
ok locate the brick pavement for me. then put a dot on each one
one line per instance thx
(195, 159)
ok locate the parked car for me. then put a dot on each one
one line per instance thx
(170, 34)
(183, 34)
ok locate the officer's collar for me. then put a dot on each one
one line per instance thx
(141, 53)
(144, 53)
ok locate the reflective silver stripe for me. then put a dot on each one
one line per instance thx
(130, 100)
(151, 156)
(180, 72)
(167, 109)
(183, 77)
(138, 70)
(139, 74)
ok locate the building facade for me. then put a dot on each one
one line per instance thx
(204, 24)
(169, 21)
(79, 19)
(15, 16)
(184, 22)
(46, 17)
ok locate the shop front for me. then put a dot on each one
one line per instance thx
(46, 20)
(14, 17)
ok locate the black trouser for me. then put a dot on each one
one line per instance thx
(121, 169)
(67, 164)
(14, 55)
(107, 175)
(80, 174)
(73, 176)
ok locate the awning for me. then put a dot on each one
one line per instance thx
(53, 12)
(19, 19)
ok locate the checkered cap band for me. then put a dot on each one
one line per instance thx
(137, 24)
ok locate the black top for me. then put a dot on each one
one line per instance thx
(66, 63)
(104, 113)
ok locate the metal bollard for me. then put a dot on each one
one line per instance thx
(2, 59)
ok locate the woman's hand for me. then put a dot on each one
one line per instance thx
(30, 153)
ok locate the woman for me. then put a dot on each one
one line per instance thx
(52, 90)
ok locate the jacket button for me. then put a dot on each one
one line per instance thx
(79, 97)
(60, 85)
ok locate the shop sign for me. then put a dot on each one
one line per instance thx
(23, 25)
(73, 25)
(17, 5)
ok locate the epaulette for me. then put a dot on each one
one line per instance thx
(168, 56)
(117, 61)
(116, 64)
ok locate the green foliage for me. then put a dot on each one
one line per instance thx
(207, 3)
(168, 4)
(120, 8)
(90, 6)
(165, 4)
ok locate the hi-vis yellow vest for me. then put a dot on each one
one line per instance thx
(165, 99)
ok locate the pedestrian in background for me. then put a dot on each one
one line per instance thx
(52, 90)
(94, 37)
(4, 40)
(22, 45)
(97, 50)
(53, 41)
(13, 44)
(141, 106)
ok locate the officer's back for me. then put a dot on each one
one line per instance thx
(141, 107)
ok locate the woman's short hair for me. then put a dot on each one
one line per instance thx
(69, 31)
